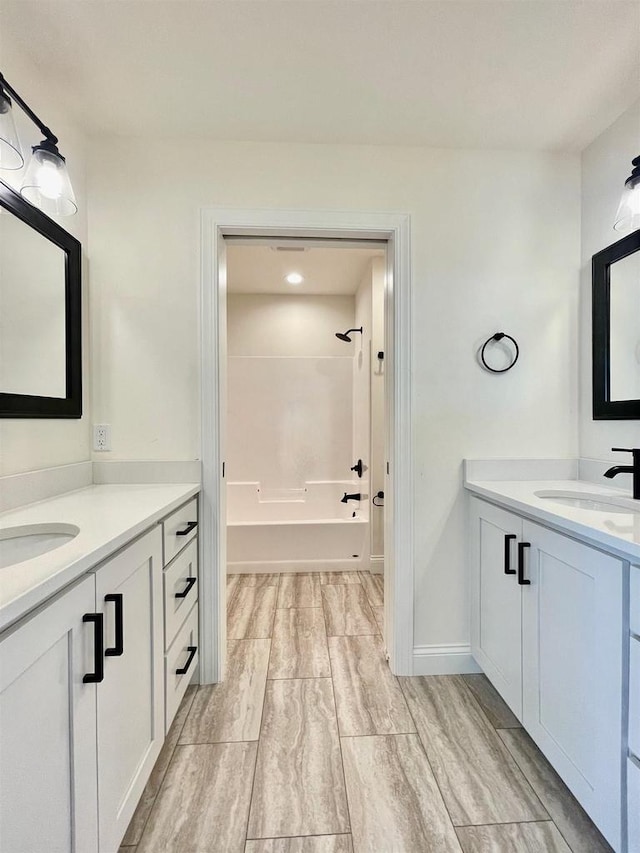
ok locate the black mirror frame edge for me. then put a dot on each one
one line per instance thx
(603, 407)
(70, 406)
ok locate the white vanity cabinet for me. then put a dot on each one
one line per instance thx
(547, 628)
(83, 693)
(496, 623)
(130, 699)
(48, 793)
(572, 668)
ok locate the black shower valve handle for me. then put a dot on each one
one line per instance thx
(358, 468)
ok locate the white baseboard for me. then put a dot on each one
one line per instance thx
(20, 489)
(444, 660)
(294, 566)
(376, 565)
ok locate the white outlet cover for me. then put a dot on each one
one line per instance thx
(102, 437)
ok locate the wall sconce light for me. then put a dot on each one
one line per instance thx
(628, 215)
(46, 182)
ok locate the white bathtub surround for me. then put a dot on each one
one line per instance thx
(108, 517)
(361, 370)
(289, 419)
(295, 530)
(377, 474)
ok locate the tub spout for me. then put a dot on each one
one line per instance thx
(354, 497)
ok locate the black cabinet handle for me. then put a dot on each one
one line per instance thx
(521, 578)
(507, 553)
(185, 592)
(188, 528)
(98, 649)
(192, 650)
(118, 649)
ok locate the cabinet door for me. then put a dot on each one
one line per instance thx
(48, 790)
(572, 668)
(496, 618)
(131, 697)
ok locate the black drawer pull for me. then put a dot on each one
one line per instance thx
(192, 650)
(185, 592)
(521, 578)
(188, 528)
(507, 553)
(118, 649)
(98, 649)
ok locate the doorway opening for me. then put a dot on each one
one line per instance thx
(306, 427)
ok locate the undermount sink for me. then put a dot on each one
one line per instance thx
(594, 502)
(18, 544)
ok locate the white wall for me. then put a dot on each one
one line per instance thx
(495, 245)
(27, 444)
(606, 163)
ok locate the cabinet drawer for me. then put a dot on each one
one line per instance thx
(633, 804)
(179, 529)
(182, 654)
(634, 696)
(635, 600)
(180, 577)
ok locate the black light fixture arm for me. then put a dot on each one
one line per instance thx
(47, 132)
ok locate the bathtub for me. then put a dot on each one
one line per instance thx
(289, 530)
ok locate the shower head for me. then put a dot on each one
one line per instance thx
(344, 336)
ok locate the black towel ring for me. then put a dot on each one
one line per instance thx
(498, 337)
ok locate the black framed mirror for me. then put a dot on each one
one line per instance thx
(616, 330)
(40, 314)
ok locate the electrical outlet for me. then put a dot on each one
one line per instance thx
(102, 437)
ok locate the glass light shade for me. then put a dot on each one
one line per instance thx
(628, 215)
(46, 182)
(10, 151)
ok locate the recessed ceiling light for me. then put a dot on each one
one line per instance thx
(294, 278)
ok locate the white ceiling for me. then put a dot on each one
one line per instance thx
(524, 74)
(261, 269)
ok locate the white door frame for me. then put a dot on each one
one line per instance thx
(399, 584)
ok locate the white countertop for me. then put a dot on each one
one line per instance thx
(108, 517)
(618, 532)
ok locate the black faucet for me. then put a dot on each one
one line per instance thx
(628, 469)
(355, 497)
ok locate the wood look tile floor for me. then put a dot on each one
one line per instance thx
(311, 745)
